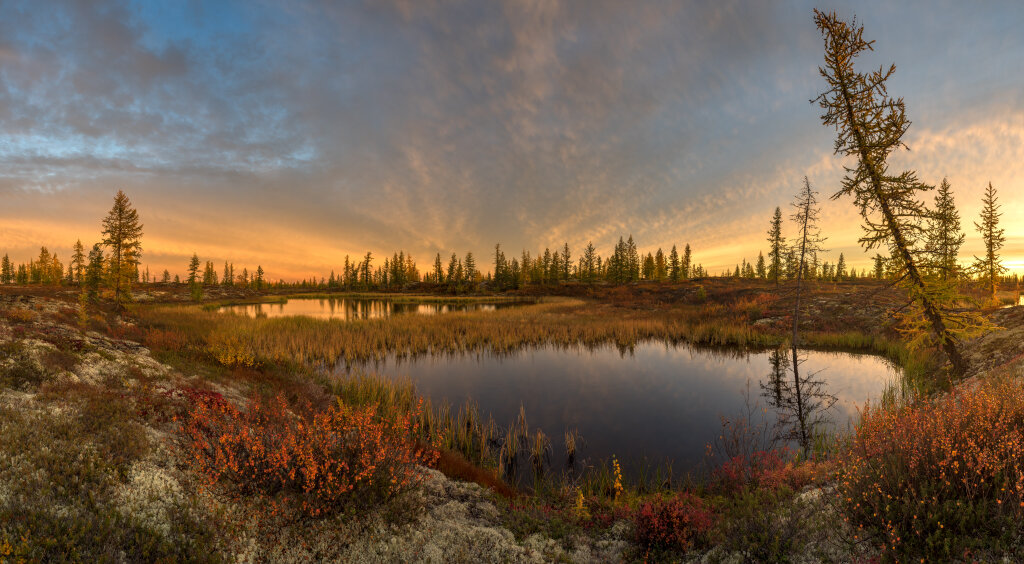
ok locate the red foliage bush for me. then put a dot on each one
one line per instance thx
(677, 523)
(764, 469)
(939, 477)
(312, 462)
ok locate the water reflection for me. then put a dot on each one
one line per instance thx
(802, 402)
(350, 309)
(657, 402)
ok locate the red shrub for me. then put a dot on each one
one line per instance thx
(764, 469)
(312, 462)
(676, 523)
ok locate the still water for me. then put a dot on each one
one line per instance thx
(656, 402)
(350, 309)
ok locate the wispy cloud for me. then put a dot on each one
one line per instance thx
(291, 134)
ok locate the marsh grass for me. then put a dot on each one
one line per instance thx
(234, 339)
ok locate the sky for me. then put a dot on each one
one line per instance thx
(289, 134)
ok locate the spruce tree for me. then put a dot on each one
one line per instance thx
(469, 265)
(122, 234)
(660, 266)
(990, 265)
(776, 247)
(687, 260)
(565, 261)
(841, 267)
(589, 270)
(870, 125)
(944, 235)
(761, 270)
(674, 271)
(193, 270)
(78, 262)
(438, 270)
(6, 272)
(93, 274)
(632, 260)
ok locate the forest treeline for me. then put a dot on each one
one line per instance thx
(100, 267)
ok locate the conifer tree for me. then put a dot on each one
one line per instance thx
(674, 271)
(259, 277)
(990, 265)
(776, 247)
(808, 242)
(6, 271)
(565, 261)
(944, 235)
(589, 263)
(193, 270)
(761, 270)
(660, 266)
(166, 278)
(78, 262)
(122, 234)
(365, 274)
(93, 274)
(195, 289)
(870, 125)
(687, 259)
(469, 265)
(632, 260)
(438, 270)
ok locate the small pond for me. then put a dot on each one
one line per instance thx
(350, 309)
(655, 402)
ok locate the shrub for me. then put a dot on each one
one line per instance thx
(941, 477)
(165, 340)
(19, 315)
(314, 463)
(769, 469)
(233, 350)
(21, 371)
(678, 523)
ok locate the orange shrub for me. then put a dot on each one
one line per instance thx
(314, 463)
(939, 478)
(165, 340)
(18, 315)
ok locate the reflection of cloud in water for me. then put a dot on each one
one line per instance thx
(658, 401)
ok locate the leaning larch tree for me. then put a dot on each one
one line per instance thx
(870, 126)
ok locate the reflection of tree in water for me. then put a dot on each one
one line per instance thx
(801, 401)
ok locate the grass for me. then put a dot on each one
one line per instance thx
(560, 322)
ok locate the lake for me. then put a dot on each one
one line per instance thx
(655, 401)
(350, 309)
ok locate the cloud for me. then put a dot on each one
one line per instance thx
(292, 134)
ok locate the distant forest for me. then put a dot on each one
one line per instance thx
(111, 260)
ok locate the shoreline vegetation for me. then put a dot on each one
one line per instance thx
(255, 362)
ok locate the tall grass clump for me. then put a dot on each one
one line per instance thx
(940, 478)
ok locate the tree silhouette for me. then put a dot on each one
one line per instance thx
(993, 236)
(122, 234)
(870, 125)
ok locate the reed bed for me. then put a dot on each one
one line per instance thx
(558, 322)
